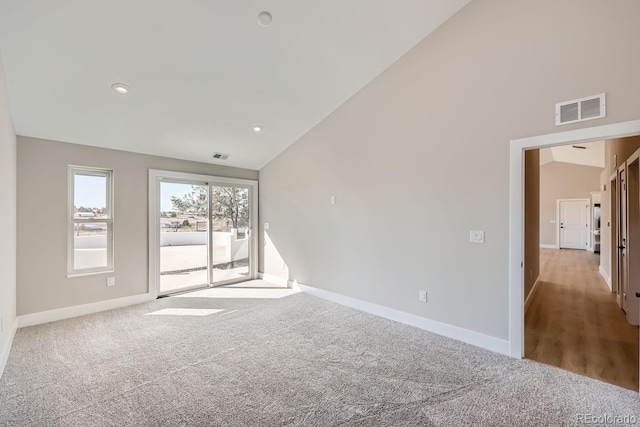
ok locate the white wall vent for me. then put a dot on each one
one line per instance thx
(220, 156)
(579, 110)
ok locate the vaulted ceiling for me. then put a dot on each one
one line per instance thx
(587, 154)
(201, 74)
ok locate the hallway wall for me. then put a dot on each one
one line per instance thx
(560, 180)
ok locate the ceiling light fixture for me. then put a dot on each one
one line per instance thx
(120, 88)
(265, 18)
(257, 128)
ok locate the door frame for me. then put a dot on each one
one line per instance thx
(155, 177)
(622, 222)
(614, 237)
(517, 148)
(588, 202)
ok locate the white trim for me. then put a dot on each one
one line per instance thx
(516, 210)
(606, 277)
(81, 310)
(470, 337)
(534, 289)
(276, 280)
(546, 246)
(6, 349)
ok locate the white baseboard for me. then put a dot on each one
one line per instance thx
(546, 246)
(606, 277)
(6, 348)
(276, 280)
(534, 288)
(470, 337)
(81, 310)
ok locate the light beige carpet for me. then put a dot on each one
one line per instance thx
(271, 358)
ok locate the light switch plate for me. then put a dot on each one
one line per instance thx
(476, 236)
(333, 200)
(266, 225)
(111, 281)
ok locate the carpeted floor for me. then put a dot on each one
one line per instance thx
(271, 357)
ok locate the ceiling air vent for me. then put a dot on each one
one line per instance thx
(578, 110)
(220, 156)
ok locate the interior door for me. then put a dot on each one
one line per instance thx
(573, 224)
(633, 237)
(623, 267)
(614, 237)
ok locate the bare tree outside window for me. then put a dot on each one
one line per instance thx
(227, 204)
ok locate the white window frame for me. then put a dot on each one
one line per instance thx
(71, 221)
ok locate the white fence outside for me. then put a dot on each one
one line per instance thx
(226, 245)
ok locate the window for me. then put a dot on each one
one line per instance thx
(90, 221)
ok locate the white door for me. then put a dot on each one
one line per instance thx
(573, 224)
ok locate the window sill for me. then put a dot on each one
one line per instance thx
(90, 273)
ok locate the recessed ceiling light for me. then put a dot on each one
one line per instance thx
(265, 18)
(120, 88)
(257, 128)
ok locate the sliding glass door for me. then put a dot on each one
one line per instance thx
(201, 233)
(184, 241)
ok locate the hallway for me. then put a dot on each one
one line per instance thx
(574, 322)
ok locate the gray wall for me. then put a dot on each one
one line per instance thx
(42, 221)
(560, 180)
(420, 156)
(7, 216)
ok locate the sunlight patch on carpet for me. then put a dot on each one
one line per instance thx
(184, 312)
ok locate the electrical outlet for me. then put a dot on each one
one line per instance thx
(333, 200)
(422, 296)
(111, 281)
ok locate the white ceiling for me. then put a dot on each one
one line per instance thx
(201, 73)
(591, 155)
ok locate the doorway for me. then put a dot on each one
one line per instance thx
(517, 243)
(200, 231)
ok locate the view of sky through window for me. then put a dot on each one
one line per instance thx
(90, 191)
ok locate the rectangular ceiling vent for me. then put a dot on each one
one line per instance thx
(579, 110)
(220, 156)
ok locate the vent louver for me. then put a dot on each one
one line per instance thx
(220, 156)
(578, 110)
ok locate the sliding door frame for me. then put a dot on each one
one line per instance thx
(155, 178)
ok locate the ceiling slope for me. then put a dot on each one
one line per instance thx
(202, 74)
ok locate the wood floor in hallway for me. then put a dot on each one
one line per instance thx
(574, 322)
